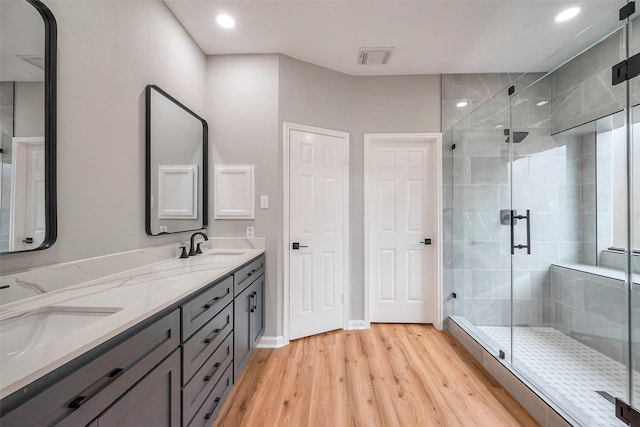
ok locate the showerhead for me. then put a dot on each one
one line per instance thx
(517, 137)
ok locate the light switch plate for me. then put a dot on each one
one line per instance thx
(264, 202)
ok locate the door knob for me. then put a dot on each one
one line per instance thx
(297, 245)
(426, 242)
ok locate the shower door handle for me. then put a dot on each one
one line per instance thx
(514, 217)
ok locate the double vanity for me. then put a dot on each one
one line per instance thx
(157, 345)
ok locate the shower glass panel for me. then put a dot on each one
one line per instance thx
(545, 235)
(480, 238)
(632, 264)
(570, 323)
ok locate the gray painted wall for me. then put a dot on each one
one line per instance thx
(29, 109)
(383, 105)
(107, 52)
(250, 96)
(242, 103)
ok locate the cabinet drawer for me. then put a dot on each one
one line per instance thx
(203, 343)
(153, 402)
(211, 406)
(82, 393)
(247, 274)
(202, 308)
(196, 391)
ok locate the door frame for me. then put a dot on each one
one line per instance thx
(19, 172)
(429, 138)
(286, 130)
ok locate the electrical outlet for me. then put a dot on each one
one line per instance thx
(250, 231)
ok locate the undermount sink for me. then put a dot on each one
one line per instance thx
(225, 256)
(44, 326)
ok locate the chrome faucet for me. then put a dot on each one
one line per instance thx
(193, 250)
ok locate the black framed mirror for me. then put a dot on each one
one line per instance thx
(176, 165)
(28, 49)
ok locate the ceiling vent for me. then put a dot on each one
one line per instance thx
(374, 55)
(35, 60)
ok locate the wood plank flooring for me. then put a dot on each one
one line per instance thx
(390, 375)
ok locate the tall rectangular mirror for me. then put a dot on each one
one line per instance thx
(176, 181)
(27, 126)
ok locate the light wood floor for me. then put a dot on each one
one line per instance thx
(390, 375)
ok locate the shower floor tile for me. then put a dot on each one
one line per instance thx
(573, 370)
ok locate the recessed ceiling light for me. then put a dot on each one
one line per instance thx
(567, 14)
(462, 104)
(225, 21)
(541, 103)
(499, 126)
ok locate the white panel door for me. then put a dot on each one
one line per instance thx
(316, 269)
(27, 222)
(400, 209)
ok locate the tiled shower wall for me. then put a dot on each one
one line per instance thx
(6, 134)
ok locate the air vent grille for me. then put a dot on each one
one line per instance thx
(35, 60)
(374, 55)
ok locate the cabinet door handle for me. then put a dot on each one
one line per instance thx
(111, 377)
(215, 300)
(251, 305)
(212, 410)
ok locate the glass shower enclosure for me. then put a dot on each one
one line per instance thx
(546, 228)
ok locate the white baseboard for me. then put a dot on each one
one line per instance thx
(357, 324)
(272, 342)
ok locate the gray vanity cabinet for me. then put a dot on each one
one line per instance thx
(153, 402)
(206, 352)
(174, 369)
(248, 314)
(76, 394)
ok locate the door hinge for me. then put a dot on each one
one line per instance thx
(453, 146)
(512, 90)
(454, 295)
(625, 70)
(627, 10)
(627, 413)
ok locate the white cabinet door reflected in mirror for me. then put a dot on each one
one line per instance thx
(176, 165)
(178, 191)
(234, 192)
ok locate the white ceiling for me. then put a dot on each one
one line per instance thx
(430, 37)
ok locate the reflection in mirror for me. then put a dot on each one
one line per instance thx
(176, 165)
(27, 126)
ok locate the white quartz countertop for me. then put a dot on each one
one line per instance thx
(136, 294)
